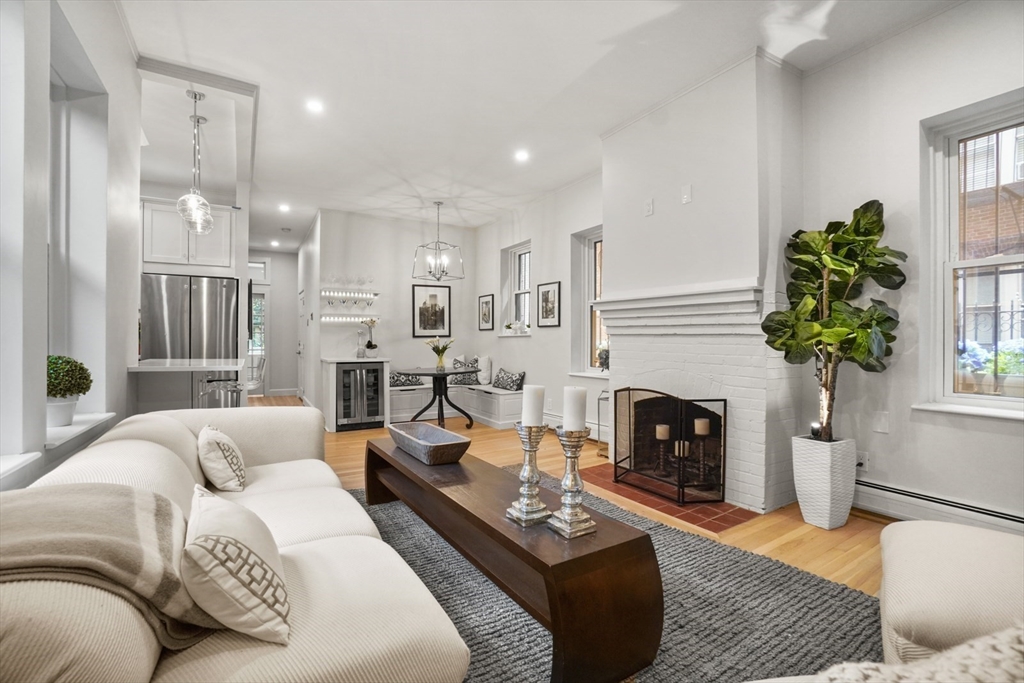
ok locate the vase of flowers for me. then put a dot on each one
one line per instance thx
(371, 348)
(439, 349)
(66, 380)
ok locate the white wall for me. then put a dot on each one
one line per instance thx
(98, 28)
(309, 322)
(282, 372)
(357, 244)
(707, 138)
(544, 355)
(862, 140)
(24, 213)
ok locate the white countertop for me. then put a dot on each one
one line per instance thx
(188, 365)
(353, 359)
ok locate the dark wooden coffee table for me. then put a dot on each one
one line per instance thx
(600, 595)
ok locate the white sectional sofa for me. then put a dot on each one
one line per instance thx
(358, 612)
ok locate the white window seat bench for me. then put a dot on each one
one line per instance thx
(498, 408)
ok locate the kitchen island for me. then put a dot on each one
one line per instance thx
(188, 365)
(177, 383)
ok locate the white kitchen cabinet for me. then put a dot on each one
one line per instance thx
(165, 239)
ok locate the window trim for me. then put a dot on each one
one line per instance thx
(582, 271)
(509, 280)
(940, 251)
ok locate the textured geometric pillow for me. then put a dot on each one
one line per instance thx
(397, 379)
(995, 658)
(469, 377)
(484, 376)
(503, 379)
(232, 569)
(221, 460)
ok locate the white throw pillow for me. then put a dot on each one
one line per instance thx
(484, 363)
(232, 569)
(221, 460)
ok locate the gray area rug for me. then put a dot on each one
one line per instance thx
(730, 615)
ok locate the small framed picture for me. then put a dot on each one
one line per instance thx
(485, 312)
(549, 304)
(431, 311)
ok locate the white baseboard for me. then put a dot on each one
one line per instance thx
(306, 402)
(906, 507)
(552, 420)
(282, 392)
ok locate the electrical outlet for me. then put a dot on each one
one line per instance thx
(649, 207)
(863, 460)
(687, 194)
(881, 422)
(547, 404)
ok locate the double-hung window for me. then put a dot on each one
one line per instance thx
(983, 269)
(520, 269)
(597, 336)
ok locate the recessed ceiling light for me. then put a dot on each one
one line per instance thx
(315, 106)
(275, 243)
(522, 155)
(285, 208)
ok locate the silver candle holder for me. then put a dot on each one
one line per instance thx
(529, 509)
(571, 521)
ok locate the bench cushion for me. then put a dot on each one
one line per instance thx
(359, 615)
(302, 515)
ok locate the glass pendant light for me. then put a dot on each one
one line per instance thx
(192, 207)
(438, 260)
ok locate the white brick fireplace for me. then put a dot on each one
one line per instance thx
(707, 342)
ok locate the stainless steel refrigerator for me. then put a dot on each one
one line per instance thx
(192, 317)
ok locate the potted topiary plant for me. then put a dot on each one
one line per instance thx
(66, 380)
(829, 270)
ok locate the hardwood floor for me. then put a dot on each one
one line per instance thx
(850, 555)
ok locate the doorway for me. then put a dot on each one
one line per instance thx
(259, 355)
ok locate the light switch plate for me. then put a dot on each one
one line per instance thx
(687, 194)
(649, 207)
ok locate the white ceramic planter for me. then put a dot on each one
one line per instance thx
(825, 475)
(372, 353)
(60, 411)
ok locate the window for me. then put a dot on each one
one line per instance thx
(257, 344)
(984, 264)
(516, 273)
(597, 336)
(589, 337)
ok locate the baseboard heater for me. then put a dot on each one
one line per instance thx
(942, 501)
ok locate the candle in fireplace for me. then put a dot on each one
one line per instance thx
(702, 426)
(661, 432)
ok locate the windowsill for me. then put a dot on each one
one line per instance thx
(83, 422)
(591, 375)
(513, 336)
(972, 411)
(9, 464)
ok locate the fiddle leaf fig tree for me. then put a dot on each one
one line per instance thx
(829, 269)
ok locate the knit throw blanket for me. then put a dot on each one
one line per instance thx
(118, 538)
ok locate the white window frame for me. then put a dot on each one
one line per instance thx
(510, 278)
(940, 255)
(582, 296)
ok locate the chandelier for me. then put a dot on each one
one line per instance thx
(192, 207)
(438, 260)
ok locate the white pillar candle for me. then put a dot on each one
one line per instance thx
(702, 426)
(574, 409)
(533, 405)
(661, 432)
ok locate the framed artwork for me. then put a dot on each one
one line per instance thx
(485, 312)
(549, 304)
(431, 311)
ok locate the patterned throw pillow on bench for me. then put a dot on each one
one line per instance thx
(397, 379)
(469, 377)
(503, 379)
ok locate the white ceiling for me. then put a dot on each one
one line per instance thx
(429, 100)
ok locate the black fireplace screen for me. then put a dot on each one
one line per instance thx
(670, 447)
